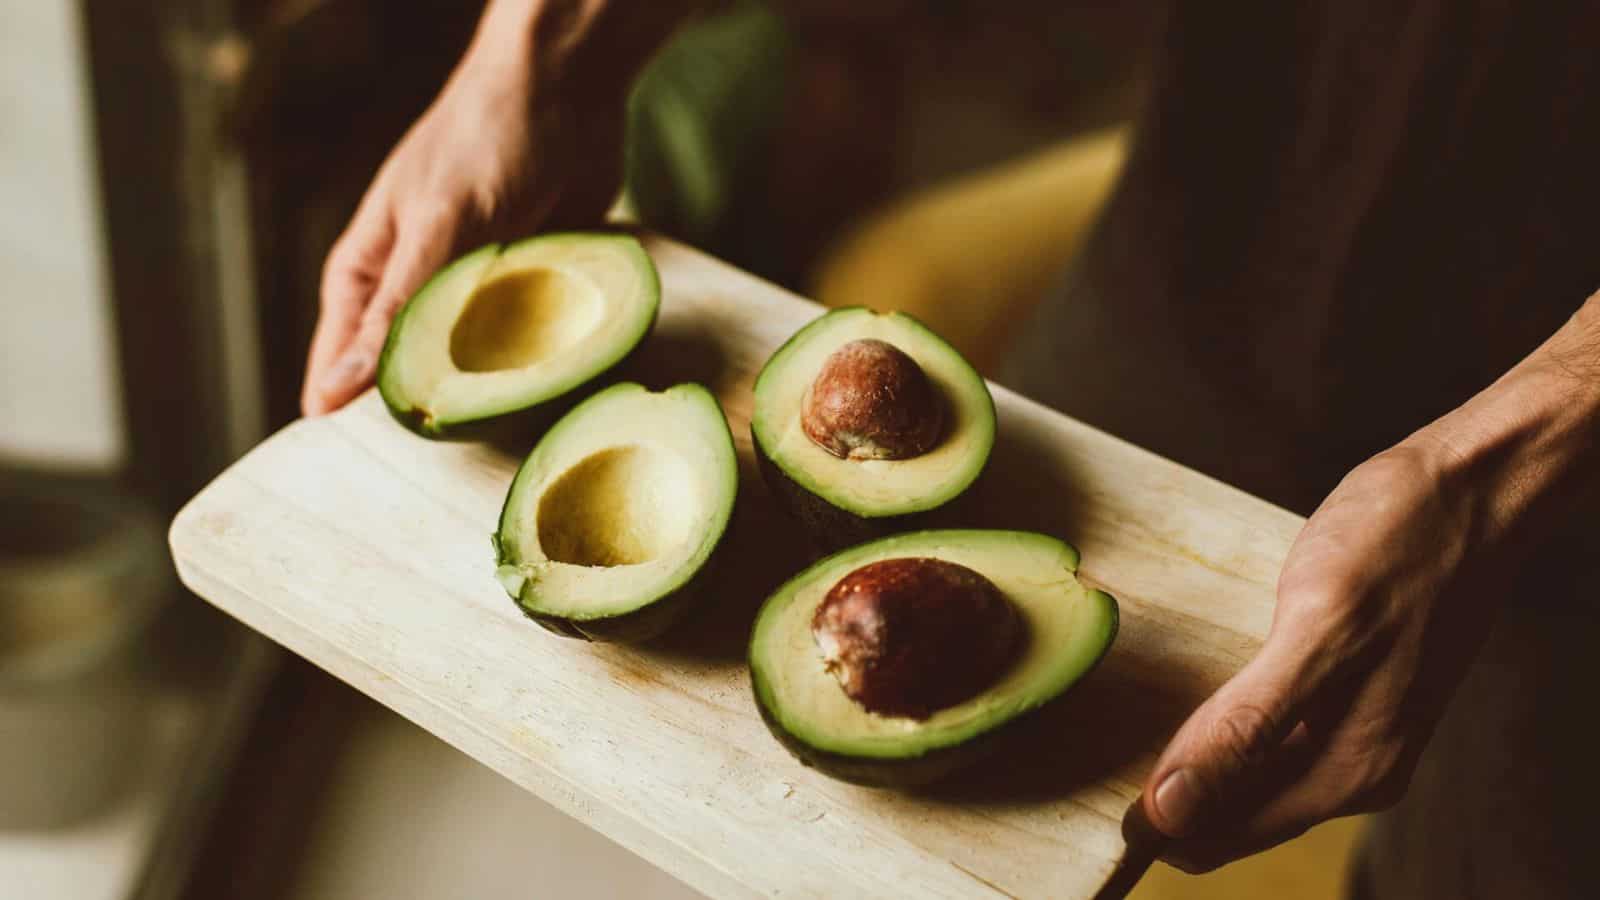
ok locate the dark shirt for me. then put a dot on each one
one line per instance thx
(1339, 221)
(1345, 218)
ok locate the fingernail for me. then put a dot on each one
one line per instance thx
(347, 370)
(1178, 800)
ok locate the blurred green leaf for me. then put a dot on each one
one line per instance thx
(697, 113)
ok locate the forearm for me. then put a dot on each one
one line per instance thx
(1530, 442)
(594, 45)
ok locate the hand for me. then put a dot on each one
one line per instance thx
(1386, 595)
(505, 149)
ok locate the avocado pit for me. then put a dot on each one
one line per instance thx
(871, 400)
(911, 636)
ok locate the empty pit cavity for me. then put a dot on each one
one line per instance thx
(619, 507)
(522, 317)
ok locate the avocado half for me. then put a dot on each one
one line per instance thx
(846, 501)
(1069, 629)
(614, 517)
(515, 331)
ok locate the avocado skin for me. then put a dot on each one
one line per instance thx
(494, 430)
(830, 528)
(937, 765)
(515, 428)
(637, 627)
(884, 773)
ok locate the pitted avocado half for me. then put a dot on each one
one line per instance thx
(863, 422)
(517, 332)
(802, 676)
(613, 519)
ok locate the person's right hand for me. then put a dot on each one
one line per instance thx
(502, 151)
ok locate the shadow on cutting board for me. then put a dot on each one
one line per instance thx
(669, 357)
(1023, 488)
(762, 548)
(1119, 716)
(1109, 723)
(661, 361)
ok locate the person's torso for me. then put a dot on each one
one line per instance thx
(1340, 219)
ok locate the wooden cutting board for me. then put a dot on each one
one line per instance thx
(366, 549)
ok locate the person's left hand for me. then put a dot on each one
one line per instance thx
(1385, 597)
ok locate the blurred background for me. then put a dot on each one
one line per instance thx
(171, 176)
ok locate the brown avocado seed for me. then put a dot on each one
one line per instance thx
(872, 401)
(909, 637)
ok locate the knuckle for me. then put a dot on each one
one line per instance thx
(1334, 607)
(1327, 600)
(384, 307)
(345, 273)
(1412, 471)
(353, 250)
(1244, 734)
(487, 205)
(338, 272)
(1402, 463)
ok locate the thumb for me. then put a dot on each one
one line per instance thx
(352, 271)
(1228, 740)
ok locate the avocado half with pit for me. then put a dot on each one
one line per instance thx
(517, 331)
(903, 660)
(610, 524)
(863, 422)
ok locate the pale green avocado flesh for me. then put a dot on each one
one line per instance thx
(1069, 627)
(617, 510)
(516, 328)
(876, 489)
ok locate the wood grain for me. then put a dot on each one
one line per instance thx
(365, 549)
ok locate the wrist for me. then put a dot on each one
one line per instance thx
(591, 47)
(1527, 448)
(1570, 359)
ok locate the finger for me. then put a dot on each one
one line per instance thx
(353, 269)
(418, 253)
(1292, 810)
(1357, 765)
(1146, 843)
(1282, 810)
(1199, 856)
(1227, 747)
